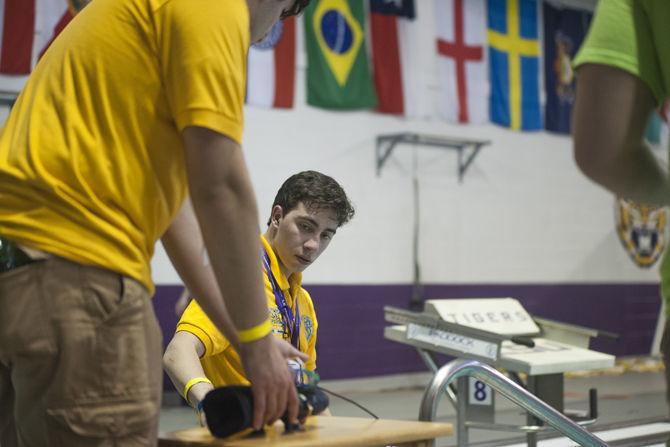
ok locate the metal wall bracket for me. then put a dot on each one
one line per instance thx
(8, 99)
(467, 149)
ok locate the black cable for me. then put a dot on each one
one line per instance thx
(350, 401)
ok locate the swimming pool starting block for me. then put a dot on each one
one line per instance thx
(499, 332)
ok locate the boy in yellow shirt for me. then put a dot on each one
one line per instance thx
(306, 213)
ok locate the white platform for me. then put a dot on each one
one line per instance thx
(562, 348)
(551, 357)
(547, 357)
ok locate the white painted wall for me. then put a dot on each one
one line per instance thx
(524, 214)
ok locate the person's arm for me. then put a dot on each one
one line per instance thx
(185, 247)
(181, 362)
(609, 121)
(225, 205)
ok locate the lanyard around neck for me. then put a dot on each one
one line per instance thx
(291, 321)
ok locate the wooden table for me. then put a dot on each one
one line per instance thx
(322, 431)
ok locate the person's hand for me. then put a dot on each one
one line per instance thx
(272, 386)
(288, 351)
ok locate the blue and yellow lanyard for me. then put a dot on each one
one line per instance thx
(291, 321)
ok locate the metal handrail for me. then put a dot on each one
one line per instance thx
(496, 380)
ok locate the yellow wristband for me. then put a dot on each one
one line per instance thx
(192, 382)
(256, 332)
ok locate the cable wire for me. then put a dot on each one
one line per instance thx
(349, 400)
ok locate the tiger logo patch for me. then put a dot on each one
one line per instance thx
(641, 230)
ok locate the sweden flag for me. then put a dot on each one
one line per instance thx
(514, 63)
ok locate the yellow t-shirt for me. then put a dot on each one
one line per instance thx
(91, 156)
(220, 361)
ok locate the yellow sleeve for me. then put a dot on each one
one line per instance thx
(202, 49)
(195, 321)
(309, 325)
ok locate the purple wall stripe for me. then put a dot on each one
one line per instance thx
(351, 319)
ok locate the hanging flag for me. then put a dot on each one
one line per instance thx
(564, 31)
(52, 18)
(27, 29)
(338, 75)
(398, 8)
(461, 35)
(658, 121)
(514, 64)
(17, 28)
(392, 31)
(271, 67)
(653, 132)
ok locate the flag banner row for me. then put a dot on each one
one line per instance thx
(502, 61)
(488, 59)
(271, 67)
(27, 28)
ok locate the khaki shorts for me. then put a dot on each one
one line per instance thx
(80, 358)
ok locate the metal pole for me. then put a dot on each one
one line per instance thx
(461, 412)
(416, 301)
(509, 389)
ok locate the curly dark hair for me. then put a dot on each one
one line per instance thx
(316, 191)
(298, 7)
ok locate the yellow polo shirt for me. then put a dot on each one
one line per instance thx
(91, 156)
(220, 361)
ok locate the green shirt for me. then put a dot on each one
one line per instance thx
(634, 35)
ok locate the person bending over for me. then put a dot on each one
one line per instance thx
(136, 105)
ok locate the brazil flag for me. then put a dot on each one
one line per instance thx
(338, 75)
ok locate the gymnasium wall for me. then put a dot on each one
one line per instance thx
(523, 222)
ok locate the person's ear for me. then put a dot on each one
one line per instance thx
(277, 214)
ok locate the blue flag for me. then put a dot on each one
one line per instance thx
(514, 63)
(403, 8)
(564, 31)
(653, 132)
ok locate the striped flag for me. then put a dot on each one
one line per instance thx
(271, 68)
(393, 34)
(514, 63)
(463, 83)
(564, 31)
(27, 29)
(52, 17)
(17, 29)
(657, 126)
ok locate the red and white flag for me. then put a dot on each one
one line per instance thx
(394, 39)
(52, 17)
(462, 77)
(271, 67)
(17, 29)
(27, 29)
